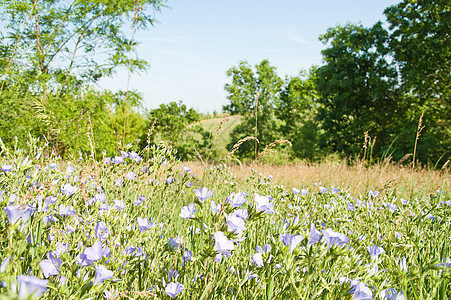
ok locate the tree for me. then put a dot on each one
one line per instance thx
(358, 87)
(421, 44)
(174, 124)
(297, 107)
(253, 95)
(53, 51)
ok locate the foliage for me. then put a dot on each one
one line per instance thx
(51, 52)
(174, 123)
(253, 95)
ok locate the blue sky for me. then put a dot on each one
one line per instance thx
(195, 42)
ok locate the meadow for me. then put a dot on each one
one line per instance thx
(147, 226)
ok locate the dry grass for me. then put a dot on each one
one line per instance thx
(358, 178)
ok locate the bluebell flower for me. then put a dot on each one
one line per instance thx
(203, 194)
(236, 200)
(4, 264)
(172, 289)
(392, 294)
(314, 235)
(241, 213)
(215, 208)
(102, 274)
(334, 238)
(187, 255)
(144, 224)
(68, 189)
(118, 159)
(362, 292)
(291, 240)
(31, 286)
(263, 204)
(140, 200)
(222, 243)
(6, 168)
(130, 175)
(16, 212)
(51, 265)
(66, 210)
(375, 251)
(235, 224)
(187, 212)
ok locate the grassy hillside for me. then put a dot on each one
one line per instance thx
(221, 129)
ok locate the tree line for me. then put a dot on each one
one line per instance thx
(381, 92)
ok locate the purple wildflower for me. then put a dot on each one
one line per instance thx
(68, 189)
(172, 289)
(102, 274)
(236, 200)
(203, 194)
(31, 286)
(51, 265)
(263, 204)
(291, 240)
(188, 211)
(101, 231)
(334, 238)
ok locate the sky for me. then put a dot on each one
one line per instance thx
(195, 42)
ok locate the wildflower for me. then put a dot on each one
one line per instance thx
(350, 207)
(130, 175)
(4, 264)
(322, 189)
(291, 240)
(236, 200)
(173, 289)
(398, 235)
(16, 212)
(235, 224)
(133, 155)
(140, 200)
(6, 168)
(187, 255)
(119, 205)
(31, 286)
(334, 190)
(109, 295)
(375, 251)
(215, 208)
(334, 238)
(403, 265)
(144, 224)
(66, 210)
(295, 191)
(263, 204)
(314, 236)
(101, 231)
(203, 194)
(257, 259)
(222, 243)
(124, 154)
(68, 189)
(188, 211)
(362, 292)
(51, 265)
(169, 180)
(241, 213)
(392, 294)
(97, 251)
(102, 274)
(118, 160)
(107, 160)
(392, 207)
(304, 192)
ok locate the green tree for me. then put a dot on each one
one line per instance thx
(57, 49)
(297, 107)
(253, 95)
(358, 87)
(176, 125)
(421, 45)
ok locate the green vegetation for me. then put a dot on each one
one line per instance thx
(381, 94)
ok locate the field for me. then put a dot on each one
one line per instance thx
(145, 226)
